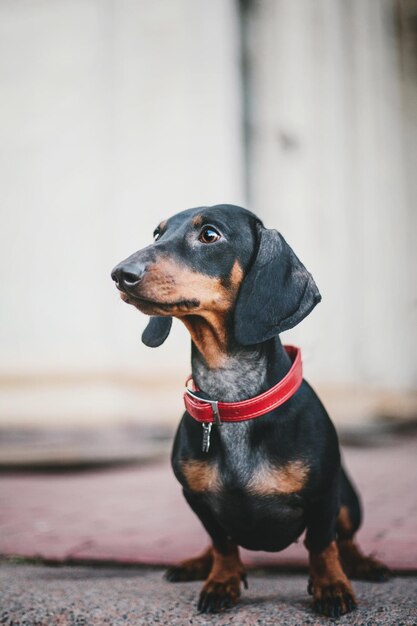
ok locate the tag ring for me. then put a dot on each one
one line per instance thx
(213, 403)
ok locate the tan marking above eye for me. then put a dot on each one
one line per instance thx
(197, 220)
(289, 478)
(201, 476)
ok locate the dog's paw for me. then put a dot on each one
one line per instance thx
(197, 568)
(361, 567)
(217, 596)
(182, 574)
(179, 574)
(333, 600)
(369, 568)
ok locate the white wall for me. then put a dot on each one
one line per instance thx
(113, 116)
(328, 161)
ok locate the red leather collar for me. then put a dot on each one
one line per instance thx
(209, 411)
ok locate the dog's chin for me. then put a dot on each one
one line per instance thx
(151, 307)
(148, 307)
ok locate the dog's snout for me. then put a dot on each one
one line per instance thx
(128, 276)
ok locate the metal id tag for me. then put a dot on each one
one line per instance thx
(206, 436)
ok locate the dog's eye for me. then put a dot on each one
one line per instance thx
(209, 235)
(156, 234)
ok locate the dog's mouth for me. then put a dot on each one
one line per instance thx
(153, 306)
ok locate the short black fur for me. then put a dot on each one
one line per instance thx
(275, 294)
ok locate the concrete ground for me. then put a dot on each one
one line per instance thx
(138, 515)
(37, 595)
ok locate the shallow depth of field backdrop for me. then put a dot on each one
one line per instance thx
(115, 115)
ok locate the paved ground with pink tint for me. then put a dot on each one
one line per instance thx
(138, 515)
(40, 595)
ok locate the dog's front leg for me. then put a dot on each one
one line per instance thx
(221, 590)
(332, 592)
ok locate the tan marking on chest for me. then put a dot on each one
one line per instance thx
(289, 478)
(201, 476)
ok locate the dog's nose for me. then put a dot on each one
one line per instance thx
(128, 276)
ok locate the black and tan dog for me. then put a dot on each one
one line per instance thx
(260, 483)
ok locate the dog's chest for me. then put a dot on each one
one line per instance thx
(239, 459)
(236, 464)
(243, 469)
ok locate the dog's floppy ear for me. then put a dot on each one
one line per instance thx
(156, 331)
(276, 294)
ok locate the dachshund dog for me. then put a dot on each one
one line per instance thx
(257, 483)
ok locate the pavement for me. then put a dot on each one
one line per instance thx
(89, 596)
(75, 448)
(134, 517)
(137, 514)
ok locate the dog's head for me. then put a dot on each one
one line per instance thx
(222, 265)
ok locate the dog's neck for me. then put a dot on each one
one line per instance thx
(245, 371)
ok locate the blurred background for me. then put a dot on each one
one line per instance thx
(115, 115)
